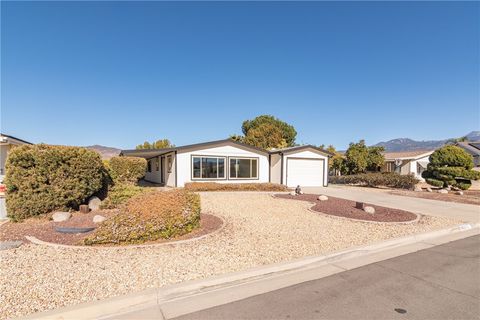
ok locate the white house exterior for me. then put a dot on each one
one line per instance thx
(6, 144)
(408, 162)
(228, 161)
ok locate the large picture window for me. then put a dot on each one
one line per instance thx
(243, 168)
(208, 167)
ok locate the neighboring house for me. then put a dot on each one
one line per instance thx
(407, 162)
(473, 148)
(228, 161)
(6, 144)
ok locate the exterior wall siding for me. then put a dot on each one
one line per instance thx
(184, 164)
(276, 168)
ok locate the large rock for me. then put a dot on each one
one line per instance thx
(293, 193)
(460, 193)
(444, 191)
(369, 209)
(322, 198)
(418, 189)
(429, 189)
(98, 218)
(94, 203)
(61, 216)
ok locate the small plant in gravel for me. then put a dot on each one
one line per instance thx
(150, 216)
(213, 186)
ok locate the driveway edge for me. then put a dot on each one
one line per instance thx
(191, 296)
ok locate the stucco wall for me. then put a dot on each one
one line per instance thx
(276, 168)
(308, 153)
(184, 163)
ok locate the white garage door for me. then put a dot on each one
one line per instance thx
(305, 172)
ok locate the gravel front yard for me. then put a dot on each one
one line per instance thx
(260, 230)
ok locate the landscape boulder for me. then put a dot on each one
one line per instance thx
(94, 203)
(444, 191)
(293, 193)
(322, 198)
(418, 189)
(460, 193)
(429, 189)
(61, 216)
(370, 210)
(98, 218)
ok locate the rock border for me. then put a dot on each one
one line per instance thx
(37, 241)
(418, 216)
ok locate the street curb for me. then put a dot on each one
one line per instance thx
(173, 294)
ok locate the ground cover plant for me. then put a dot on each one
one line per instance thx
(377, 179)
(213, 186)
(42, 178)
(150, 216)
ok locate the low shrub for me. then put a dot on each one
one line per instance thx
(127, 169)
(42, 178)
(150, 216)
(121, 193)
(214, 186)
(377, 179)
(434, 182)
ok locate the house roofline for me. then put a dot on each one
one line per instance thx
(296, 148)
(14, 138)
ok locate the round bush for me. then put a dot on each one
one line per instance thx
(42, 178)
(150, 216)
(127, 169)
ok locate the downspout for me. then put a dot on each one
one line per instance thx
(269, 168)
(176, 171)
(281, 169)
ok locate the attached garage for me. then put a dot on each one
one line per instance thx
(306, 172)
(305, 166)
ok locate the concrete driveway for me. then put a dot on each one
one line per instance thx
(465, 212)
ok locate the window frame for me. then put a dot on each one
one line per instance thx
(225, 167)
(242, 157)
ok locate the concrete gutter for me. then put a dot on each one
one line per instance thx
(191, 296)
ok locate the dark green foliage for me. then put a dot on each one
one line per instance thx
(150, 216)
(377, 179)
(450, 166)
(42, 178)
(359, 158)
(258, 130)
(127, 169)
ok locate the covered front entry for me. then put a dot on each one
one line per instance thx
(305, 172)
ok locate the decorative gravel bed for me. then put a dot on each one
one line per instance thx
(44, 229)
(346, 208)
(259, 230)
(468, 197)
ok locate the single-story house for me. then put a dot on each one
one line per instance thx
(407, 162)
(228, 161)
(6, 144)
(473, 148)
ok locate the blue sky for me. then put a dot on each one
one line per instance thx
(120, 73)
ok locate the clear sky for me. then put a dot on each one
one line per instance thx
(120, 73)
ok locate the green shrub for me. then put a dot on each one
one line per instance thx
(121, 193)
(127, 169)
(214, 186)
(377, 179)
(150, 216)
(42, 178)
(450, 166)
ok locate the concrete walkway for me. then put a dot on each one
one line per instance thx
(464, 212)
(441, 282)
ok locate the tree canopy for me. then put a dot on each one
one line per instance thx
(267, 132)
(159, 144)
(359, 158)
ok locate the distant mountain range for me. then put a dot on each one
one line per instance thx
(105, 152)
(406, 144)
(400, 144)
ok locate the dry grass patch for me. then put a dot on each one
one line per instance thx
(214, 186)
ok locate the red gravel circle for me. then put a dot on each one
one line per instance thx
(44, 229)
(346, 208)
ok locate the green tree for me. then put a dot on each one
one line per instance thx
(375, 158)
(263, 125)
(159, 144)
(450, 166)
(356, 158)
(336, 164)
(266, 136)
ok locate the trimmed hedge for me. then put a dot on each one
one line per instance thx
(127, 169)
(121, 193)
(214, 186)
(150, 216)
(42, 178)
(377, 179)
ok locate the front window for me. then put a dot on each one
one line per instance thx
(208, 167)
(243, 168)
